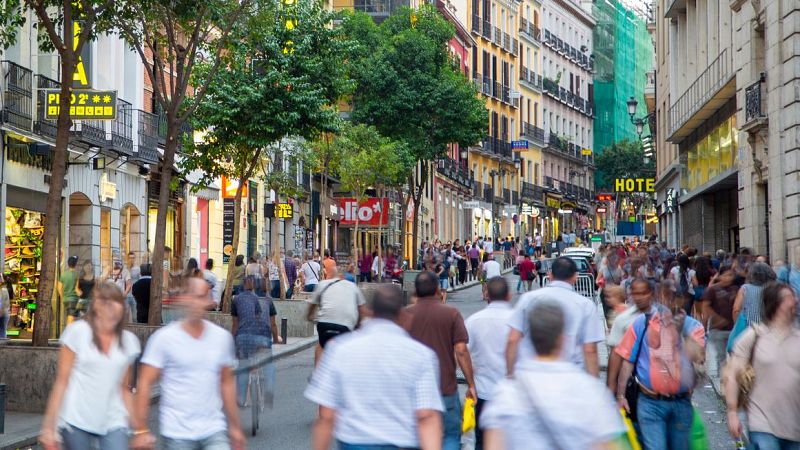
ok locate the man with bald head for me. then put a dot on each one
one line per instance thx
(194, 359)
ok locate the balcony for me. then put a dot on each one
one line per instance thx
(533, 133)
(548, 182)
(488, 193)
(185, 129)
(476, 24)
(562, 147)
(147, 144)
(455, 171)
(530, 31)
(709, 92)
(487, 30)
(18, 96)
(122, 129)
(529, 192)
(531, 79)
(514, 198)
(495, 146)
(755, 108)
(507, 196)
(674, 8)
(497, 37)
(89, 133)
(42, 125)
(476, 189)
(650, 90)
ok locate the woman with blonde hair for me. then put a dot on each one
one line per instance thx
(91, 399)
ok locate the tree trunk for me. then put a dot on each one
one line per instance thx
(380, 237)
(157, 282)
(417, 195)
(54, 208)
(237, 212)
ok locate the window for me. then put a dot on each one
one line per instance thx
(535, 113)
(536, 174)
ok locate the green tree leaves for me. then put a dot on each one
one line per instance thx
(624, 159)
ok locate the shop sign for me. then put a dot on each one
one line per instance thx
(601, 210)
(108, 189)
(586, 151)
(670, 203)
(279, 210)
(229, 187)
(527, 210)
(535, 212)
(634, 185)
(84, 104)
(553, 202)
(519, 145)
(472, 204)
(370, 213)
(228, 223)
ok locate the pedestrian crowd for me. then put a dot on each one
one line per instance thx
(386, 374)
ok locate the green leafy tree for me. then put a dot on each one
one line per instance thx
(369, 161)
(265, 100)
(410, 89)
(173, 39)
(624, 159)
(64, 27)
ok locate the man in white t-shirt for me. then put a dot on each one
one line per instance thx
(310, 272)
(488, 247)
(194, 359)
(491, 268)
(341, 307)
(583, 327)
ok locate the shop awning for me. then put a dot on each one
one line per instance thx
(209, 192)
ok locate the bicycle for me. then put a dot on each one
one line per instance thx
(256, 383)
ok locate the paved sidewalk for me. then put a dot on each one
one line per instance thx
(22, 429)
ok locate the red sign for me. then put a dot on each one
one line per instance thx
(371, 213)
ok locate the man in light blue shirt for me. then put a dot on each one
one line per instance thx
(790, 274)
(488, 332)
(584, 322)
(377, 386)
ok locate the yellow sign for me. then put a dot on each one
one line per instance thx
(284, 211)
(85, 104)
(79, 78)
(553, 203)
(634, 185)
(586, 152)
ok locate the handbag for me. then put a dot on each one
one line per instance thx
(632, 388)
(699, 437)
(746, 378)
(738, 328)
(468, 418)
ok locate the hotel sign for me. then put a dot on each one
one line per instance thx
(634, 185)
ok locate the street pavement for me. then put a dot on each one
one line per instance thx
(287, 426)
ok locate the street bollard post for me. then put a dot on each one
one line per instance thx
(284, 329)
(2, 408)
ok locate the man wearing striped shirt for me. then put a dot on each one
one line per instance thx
(378, 386)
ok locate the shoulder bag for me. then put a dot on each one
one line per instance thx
(632, 388)
(746, 377)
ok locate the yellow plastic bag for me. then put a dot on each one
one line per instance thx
(468, 421)
(632, 439)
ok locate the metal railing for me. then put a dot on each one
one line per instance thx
(488, 193)
(476, 24)
(754, 104)
(507, 195)
(701, 91)
(147, 148)
(17, 83)
(122, 128)
(533, 133)
(42, 125)
(455, 171)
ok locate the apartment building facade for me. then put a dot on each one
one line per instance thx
(567, 116)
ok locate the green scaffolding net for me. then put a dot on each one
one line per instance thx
(623, 52)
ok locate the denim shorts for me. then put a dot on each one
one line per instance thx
(217, 441)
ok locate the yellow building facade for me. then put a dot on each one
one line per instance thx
(495, 69)
(530, 110)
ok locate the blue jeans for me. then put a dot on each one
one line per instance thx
(289, 292)
(665, 424)
(217, 441)
(77, 439)
(3, 325)
(345, 446)
(275, 291)
(451, 421)
(766, 441)
(248, 346)
(309, 287)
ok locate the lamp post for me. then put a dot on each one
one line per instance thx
(639, 124)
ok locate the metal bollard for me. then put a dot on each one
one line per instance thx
(2, 408)
(284, 329)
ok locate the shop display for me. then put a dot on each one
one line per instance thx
(23, 263)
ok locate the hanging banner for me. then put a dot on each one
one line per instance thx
(229, 187)
(373, 212)
(228, 223)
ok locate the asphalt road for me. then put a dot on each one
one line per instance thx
(287, 426)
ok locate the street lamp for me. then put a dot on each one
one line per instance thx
(632, 103)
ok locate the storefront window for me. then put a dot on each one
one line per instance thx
(23, 256)
(105, 241)
(712, 155)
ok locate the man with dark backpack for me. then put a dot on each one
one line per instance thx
(341, 308)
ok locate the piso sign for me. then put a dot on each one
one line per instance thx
(634, 185)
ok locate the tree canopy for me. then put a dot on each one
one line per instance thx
(624, 159)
